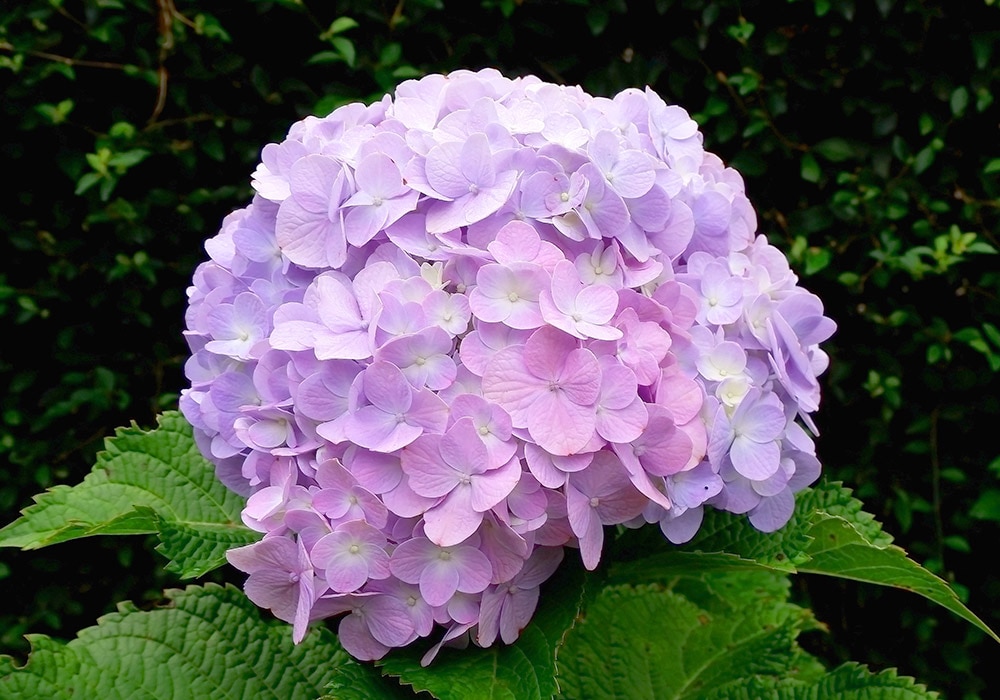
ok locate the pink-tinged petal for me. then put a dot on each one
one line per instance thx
(388, 620)
(565, 286)
(463, 450)
(580, 377)
(632, 175)
(492, 487)
(755, 460)
(517, 241)
(505, 549)
(516, 614)
(357, 639)
(507, 382)
(683, 527)
(597, 303)
(312, 180)
(774, 512)
(375, 471)
(453, 520)
(545, 352)
(361, 223)
(438, 582)
(622, 424)
(304, 236)
(429, 475)
(273, 553)
(274, 591)
(558, 425)
(586, 526)
(476, 162)
(428, 411)
(541, 466)
(476, 572)
(377, 430)
(345, 572)
(444, 172)
(295, 335)
(682, 396)
(379, 176)
(352, 345)
(761, 423)
(387, 388)
(639, 478)
(402, 500)
(619, 387)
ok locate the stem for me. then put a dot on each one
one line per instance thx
(65, 60)
(936, 485)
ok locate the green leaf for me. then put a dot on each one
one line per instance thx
(86, 181)
(840, 550)
(850, 681)
(143, 482)
(127, 159)
(836, 149)
(363, 682)
(204, 642)
(346, 49)
(524, 670)
(987, 506)
(341, 24)
(959, 101)
(809, 169)
(829, 533)
(686, 639)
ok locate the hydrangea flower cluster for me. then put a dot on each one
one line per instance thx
(466, 327)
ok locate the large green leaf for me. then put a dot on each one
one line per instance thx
(840, 550)
(848, 682)
(525, 670)
(829, 534)
(364, 682)
(143, 482)
(721, 636)
(205, 642)
(655, 641)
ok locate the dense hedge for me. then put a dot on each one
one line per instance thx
(866, 132)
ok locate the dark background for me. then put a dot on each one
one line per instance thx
(867, 134)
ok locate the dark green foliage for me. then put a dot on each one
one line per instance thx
(866, 133)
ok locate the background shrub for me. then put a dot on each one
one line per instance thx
(866, 133)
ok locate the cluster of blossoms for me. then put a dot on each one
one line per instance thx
(468, 326)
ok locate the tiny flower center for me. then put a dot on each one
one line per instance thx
(411, 600)
(353, 499)
(564, 196)
(400, 418)
(594, 502)
(484, 430)
(377, 202)
(512, 297)
(354, 549)
(420, 361)
(293, 577)
(444, 555)
(474, 188)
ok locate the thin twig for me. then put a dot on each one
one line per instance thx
(65, 60)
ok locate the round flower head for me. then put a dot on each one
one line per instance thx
(465, 328)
